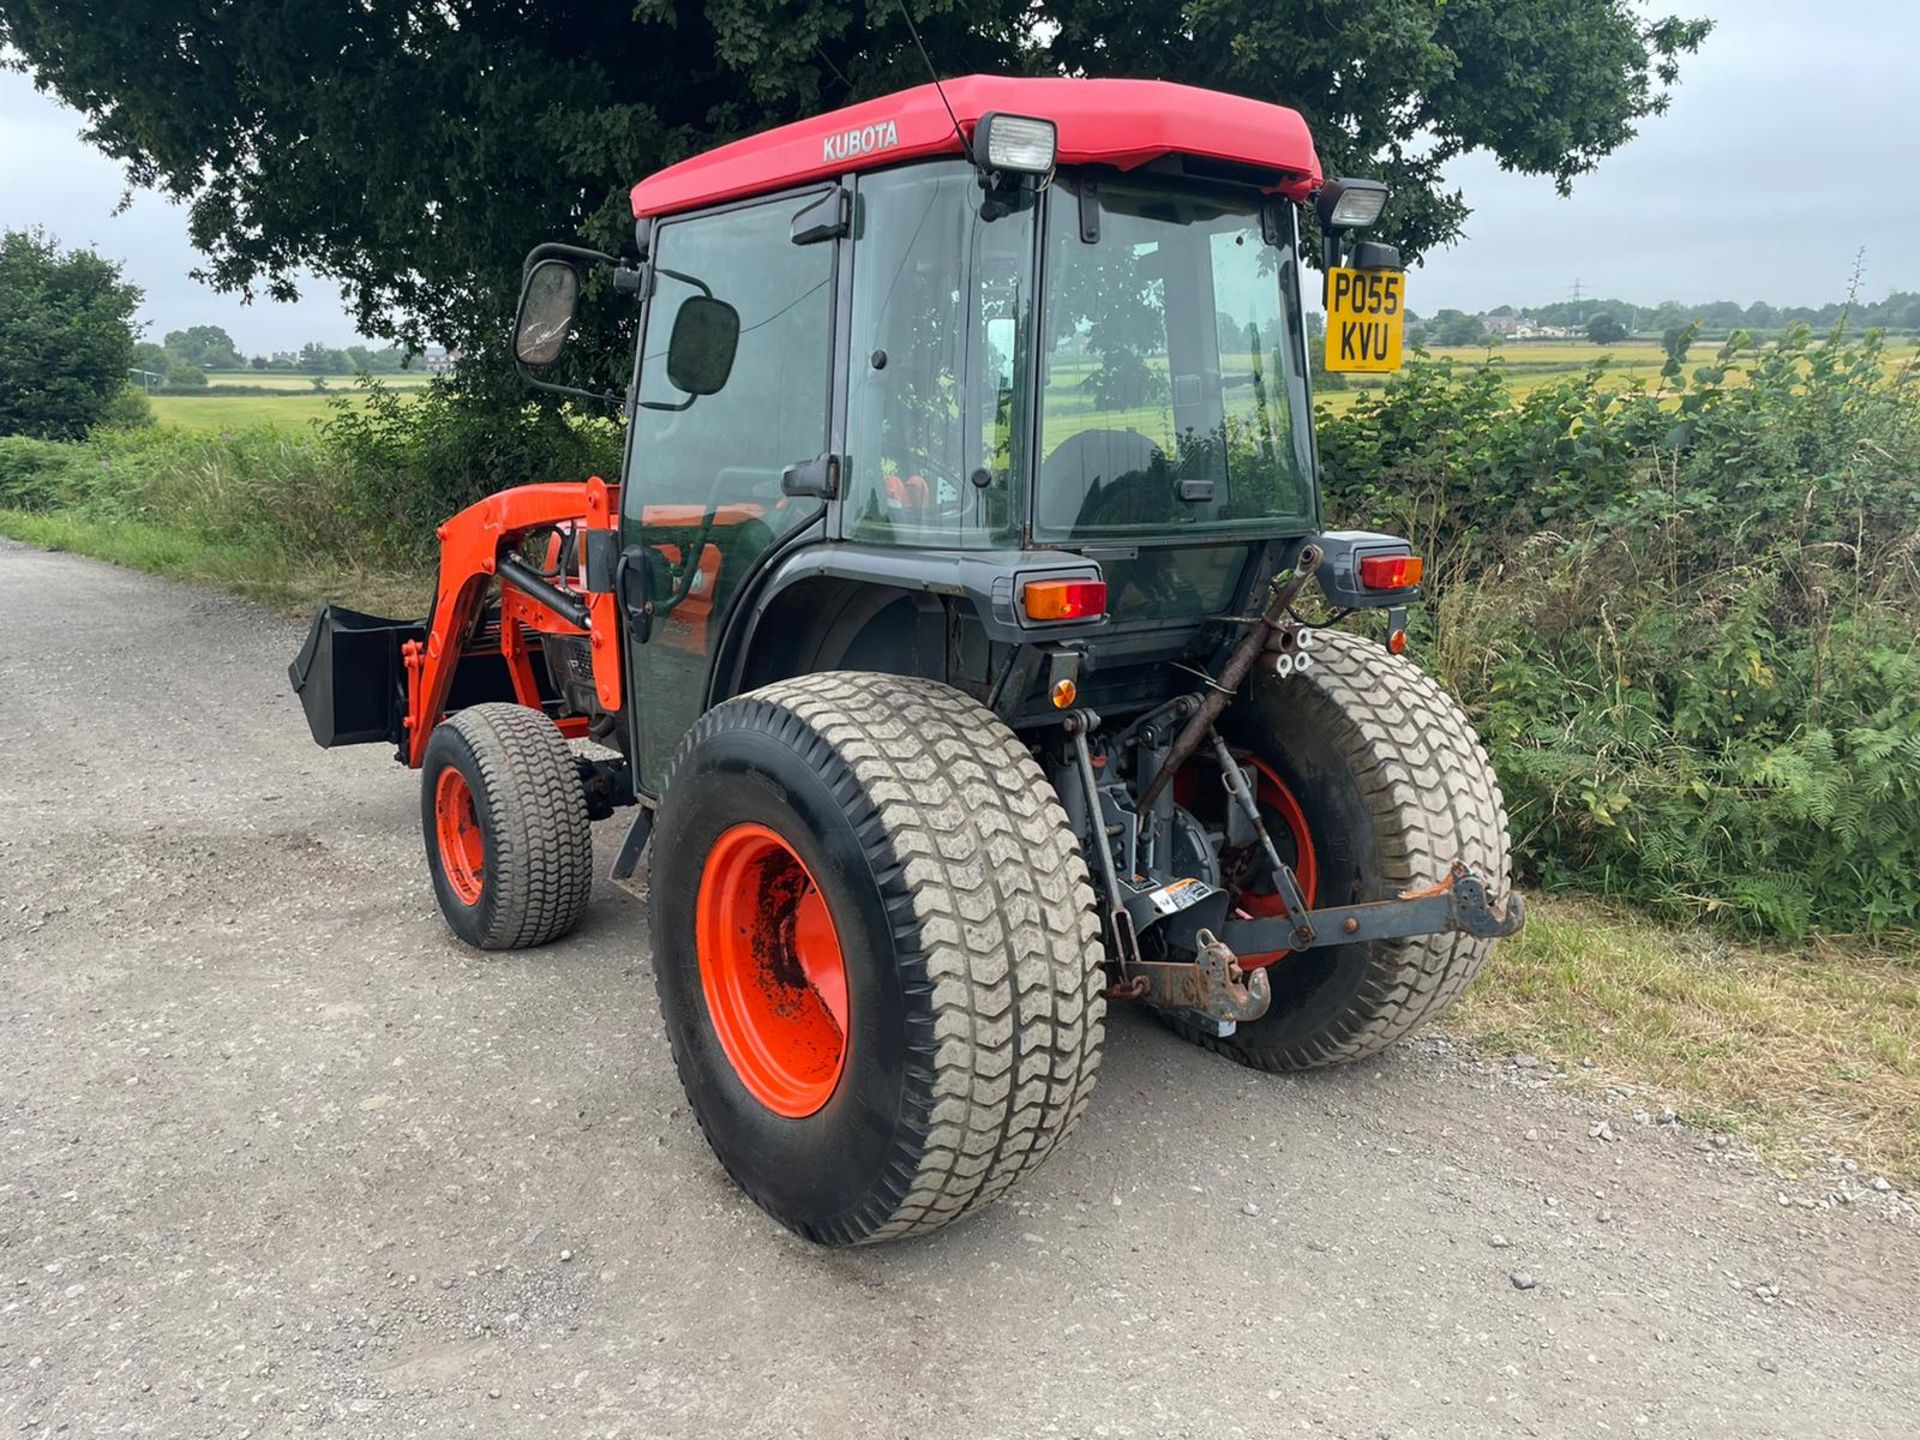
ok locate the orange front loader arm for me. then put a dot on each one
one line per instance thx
(473, 547)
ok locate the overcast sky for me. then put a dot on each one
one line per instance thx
(1792, 142)
(1790, 145)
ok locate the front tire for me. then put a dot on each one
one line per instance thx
(876, 952)
(1393, 786)
(509, 841)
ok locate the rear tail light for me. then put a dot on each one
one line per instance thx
(1391, 572)
(1064, 599)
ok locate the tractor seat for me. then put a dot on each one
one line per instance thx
(1084, 466)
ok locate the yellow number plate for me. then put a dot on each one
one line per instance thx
(1366, 311)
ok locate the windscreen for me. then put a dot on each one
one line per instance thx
(1172, 399)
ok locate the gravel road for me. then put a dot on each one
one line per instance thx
(280, 1157)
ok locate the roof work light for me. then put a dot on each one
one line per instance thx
(1014, 144)
(1351, 204)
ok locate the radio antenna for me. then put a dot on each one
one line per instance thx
(939, 89)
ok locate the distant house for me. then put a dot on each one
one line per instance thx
(1527, 329)
(439, 360)
(1501, 324)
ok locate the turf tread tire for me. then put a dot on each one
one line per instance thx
(533, 811)
(994, 934)
(1430, 791)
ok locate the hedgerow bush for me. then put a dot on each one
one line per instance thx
(1683, 618)
(34, 474)
(416, 457)
(265, 488)
(367, 488)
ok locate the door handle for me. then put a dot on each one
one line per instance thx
(639, 612)
(819, 478)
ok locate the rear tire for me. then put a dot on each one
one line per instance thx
(504, 814)
(964, 948)
(1395, 786)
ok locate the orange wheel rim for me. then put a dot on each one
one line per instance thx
(772, 971)
(456, 824)
(1277, 803)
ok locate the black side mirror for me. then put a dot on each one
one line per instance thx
(547, 302)
(706, 336)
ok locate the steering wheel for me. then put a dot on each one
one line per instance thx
(950, 501)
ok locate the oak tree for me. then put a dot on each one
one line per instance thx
(413, 150)
(207, 346)
(1605, 328)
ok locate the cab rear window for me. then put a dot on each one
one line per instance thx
(1179, 583)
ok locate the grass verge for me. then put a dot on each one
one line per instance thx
(259, 572)
(1808, 1052)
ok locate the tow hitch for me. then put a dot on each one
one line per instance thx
(1220, 988)
(1213, 984)
(1176, 943)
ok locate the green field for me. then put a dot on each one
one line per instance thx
(288, 407)
(287, 380)
(1527, 364)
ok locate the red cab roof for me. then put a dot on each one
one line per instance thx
(1123, 123)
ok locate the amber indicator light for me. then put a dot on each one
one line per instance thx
(1064, 599)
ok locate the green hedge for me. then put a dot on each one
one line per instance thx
(416, 456)
(365, 488)
(1683, 619)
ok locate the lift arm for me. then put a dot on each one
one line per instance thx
(1457, 905)
(476, 546)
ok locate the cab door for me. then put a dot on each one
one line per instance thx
(702, 498)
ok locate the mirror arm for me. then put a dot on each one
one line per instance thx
(694, 280)
(1333, 244)
(553, 250)
(603, 397)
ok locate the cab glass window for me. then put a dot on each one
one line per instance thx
(1172, 396)
(941, 306)
(732, 390)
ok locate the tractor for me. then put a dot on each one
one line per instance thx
(947, 634)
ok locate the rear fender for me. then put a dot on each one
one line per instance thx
(803, 608)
